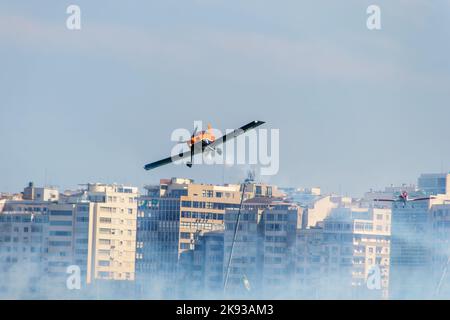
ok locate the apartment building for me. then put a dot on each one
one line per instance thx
(38, 236)
(201, 270)
(202, 210)
(173, 216)
(112, 232)
(94, 229)
(434, 183)
(263, 251)
(337, 257)
(158, 239)
(417, 235)
(439, 238)
(23, 248)
(211, 260)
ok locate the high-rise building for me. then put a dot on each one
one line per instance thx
(93, 229)
(39, 237)
(157, 238)
(434, 183)
(112, 232)
(23, 248)
(262, 254)
(173, 216)
(439, 240)
(202, 210)
(411, 248)
(337, 257)
(201, 269)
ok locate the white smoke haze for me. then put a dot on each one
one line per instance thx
(23, 280)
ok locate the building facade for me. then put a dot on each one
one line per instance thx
(172, 219)
(261, 260)
(340, 256)
(92, 229)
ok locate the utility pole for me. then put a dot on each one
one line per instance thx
(443, 276)
(250, 178)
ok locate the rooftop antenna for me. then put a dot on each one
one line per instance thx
(250, 178)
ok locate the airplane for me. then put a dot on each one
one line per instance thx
(203, 141)
(404, 198)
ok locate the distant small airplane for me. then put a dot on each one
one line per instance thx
(403, 198)
(202, 141)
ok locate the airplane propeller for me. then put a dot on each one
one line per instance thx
(192, 136)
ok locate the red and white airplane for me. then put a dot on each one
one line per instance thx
(403, 198)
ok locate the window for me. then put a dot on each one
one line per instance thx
(61, 233)
(207, 193)
(185, 214)
(103, 263)
(103, 274)
(60, 213)
(61, 223)
(185, 235)
(105, 231)
(186, 204)
(59, 243)
(185, 246)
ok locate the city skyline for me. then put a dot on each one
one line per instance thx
(180, 239)
(399, 188)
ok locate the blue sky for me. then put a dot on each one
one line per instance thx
(356, 109)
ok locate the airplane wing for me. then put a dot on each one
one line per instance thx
(217, 142)
(385, 200)
(168, 160)
(420, 199)
(236, 133)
